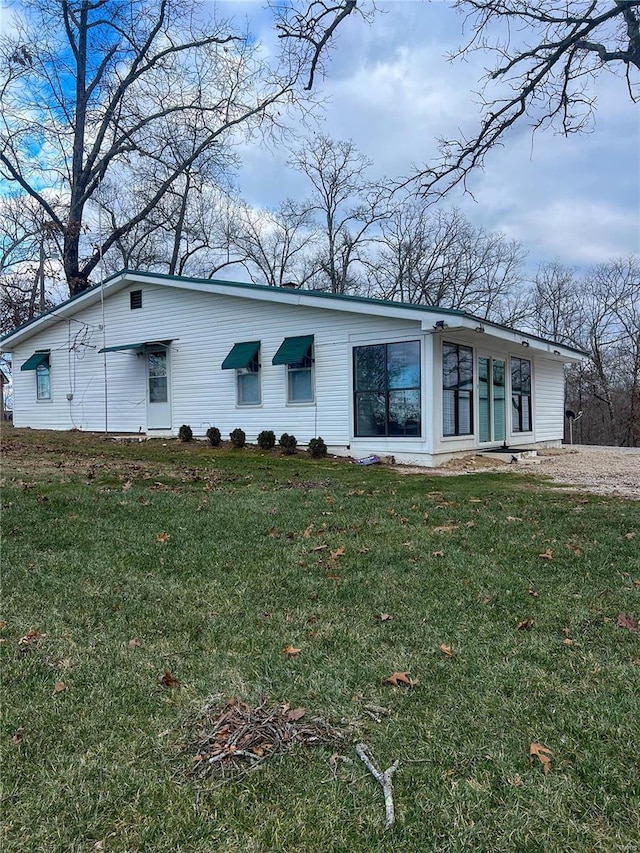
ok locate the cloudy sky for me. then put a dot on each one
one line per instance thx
(390, 88)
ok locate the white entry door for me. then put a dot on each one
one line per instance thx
(158, 392)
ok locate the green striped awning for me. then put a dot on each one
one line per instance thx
(241, 355)
(293, 350)
(121, 347)
(34, 361)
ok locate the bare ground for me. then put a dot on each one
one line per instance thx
(600, 470)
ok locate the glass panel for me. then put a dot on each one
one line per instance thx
(499, 410)
(466, 368)
(157, 367)
(404, 413)
(449, 412)
(300, 385)
(525, 376)
(464, 413)
(370, 414)
(158, 389)
(449, 366)
(484, 413)
(369, 368)
(248, 388)
(43, 382)
(515, 412)
(526, 413)
(403, 365)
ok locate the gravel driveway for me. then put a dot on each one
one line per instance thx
(601, 470)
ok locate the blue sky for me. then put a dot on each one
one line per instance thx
(391, 89)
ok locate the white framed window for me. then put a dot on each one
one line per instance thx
(297, 356)
(248, 385)
(43, 381)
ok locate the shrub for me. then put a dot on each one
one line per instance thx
(185, 433)
(317, 447)
(266, 439)
(288, 443)
(214, 436)
(238, 438)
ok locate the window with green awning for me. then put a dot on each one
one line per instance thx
(37, 359)
(293, 350)
(241, 356)
(122, 347)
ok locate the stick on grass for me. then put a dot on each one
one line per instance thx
(383, 779)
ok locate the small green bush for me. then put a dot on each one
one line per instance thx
(238, 438)
(267, 439)
(288, 443)
(214, 436)
(185, 433)
(317, 448)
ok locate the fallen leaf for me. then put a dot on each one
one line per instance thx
(513, 518)
(425, 517)
(567, 641)
(59, 686)
(163, 537)
(532, 592)
(437, 553)
(488, 598)
(446, 650)
(630, 535)
(542, 753)
(548, 555)
(525, 624)
(470, 524)
(626, 622)
(445, 528)
(30, 637)
(295, 714)
(399, 679)
(133, 644)
(516, 780)
(17, 736)
(291, 651)
(383, 617)
(3, 624)
(636, 582)
(364, 550)
(127, 486)
(167, 679)
(274, 533)
(576, 550)
(339, 552)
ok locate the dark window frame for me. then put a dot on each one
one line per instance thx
(520, 395)
(387, 389)
(459, 392)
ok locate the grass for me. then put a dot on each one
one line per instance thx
(103, 763)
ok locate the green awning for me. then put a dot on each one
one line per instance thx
(241, 355)
(122, 347)
(293, 350)
(36, 360)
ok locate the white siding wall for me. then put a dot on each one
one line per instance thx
(548, 395)
(203, 328)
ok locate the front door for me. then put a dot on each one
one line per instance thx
(492, 409)
(158, 396)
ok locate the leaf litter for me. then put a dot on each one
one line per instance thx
(235, 738)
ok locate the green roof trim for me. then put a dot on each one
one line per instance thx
(241, 355)
(34, 361)
(121, 347)
(293, 350)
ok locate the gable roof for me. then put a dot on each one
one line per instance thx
(428, 316)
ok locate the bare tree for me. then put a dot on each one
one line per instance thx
(439, 258)
(99, 88)
(346, 206)
(548, 54)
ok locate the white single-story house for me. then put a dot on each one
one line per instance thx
(145, 353)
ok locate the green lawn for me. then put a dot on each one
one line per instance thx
(215, 561)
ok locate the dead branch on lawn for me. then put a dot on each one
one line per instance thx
(383, 779)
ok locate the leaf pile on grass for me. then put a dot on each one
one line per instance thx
(237, 738)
